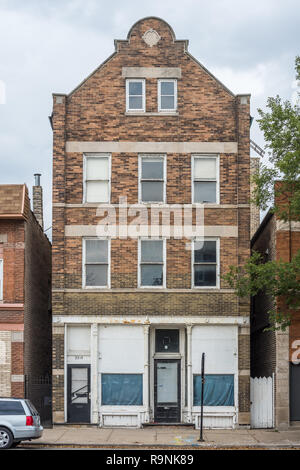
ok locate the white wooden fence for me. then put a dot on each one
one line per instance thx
(262, 402)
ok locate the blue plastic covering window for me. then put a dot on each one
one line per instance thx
(218, 390)
(122, 389)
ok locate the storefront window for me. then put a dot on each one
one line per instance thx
(122, 389)
(218, 390)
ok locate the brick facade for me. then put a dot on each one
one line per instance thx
(25, 322)
(275, 352)
(94, 117)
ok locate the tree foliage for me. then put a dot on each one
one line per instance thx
(279, 280)
(281, 128)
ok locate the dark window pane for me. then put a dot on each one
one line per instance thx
(152, 169)
(11, 408)
(218, 390)
(135, 102)
(152, 251)
(96, 251)
(167, 102)
(151, 275)
(205, 275)
(96, 275)
(205, 191)
(152, 191)
(135, 88)
(205, 251)
(167, 88)
(122, 389)
(167, 341)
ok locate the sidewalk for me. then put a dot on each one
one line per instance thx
(166, 436)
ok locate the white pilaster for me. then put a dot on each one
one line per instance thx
(94, 374)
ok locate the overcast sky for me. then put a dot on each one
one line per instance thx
(50, 46)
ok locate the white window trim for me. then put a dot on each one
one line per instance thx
(154, 155)
(143, 81)
(84, 286)
(160, 81)
(86, 156)
(217, 240)
(217, 158)
(1, 279)
(164, 263)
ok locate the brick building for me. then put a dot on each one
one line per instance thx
(151, 131)
(277, 352)
(25, 293)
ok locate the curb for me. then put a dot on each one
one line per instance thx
(160, 446)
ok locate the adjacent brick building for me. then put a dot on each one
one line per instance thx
(132, 315)
(25, 294)
(277, 352)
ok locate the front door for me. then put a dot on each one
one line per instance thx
(167, 391)
(79, 394)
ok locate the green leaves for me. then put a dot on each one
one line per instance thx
(278, 279)
(281, 128)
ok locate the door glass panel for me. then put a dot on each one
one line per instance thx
(167, 390)
(79, 385)
(167, 341)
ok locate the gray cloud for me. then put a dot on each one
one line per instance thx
(50, 46)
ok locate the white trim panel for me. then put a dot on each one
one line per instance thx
(152, 147)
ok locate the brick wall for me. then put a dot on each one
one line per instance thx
(95, 111)
(37, 313)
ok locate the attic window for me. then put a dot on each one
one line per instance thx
(135, 95)
(167, 95)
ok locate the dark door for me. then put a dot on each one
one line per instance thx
(167, 391)
(295, 392)
(79, 394)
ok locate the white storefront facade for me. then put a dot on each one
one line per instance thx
(137, 370)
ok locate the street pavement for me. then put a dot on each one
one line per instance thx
(156, 436)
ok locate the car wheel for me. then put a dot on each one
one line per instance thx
(6, 438)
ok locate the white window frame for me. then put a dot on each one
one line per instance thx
(141, 158)
(160, 81)
(205, 156)
(84, 286)
(217, 240)
(140, 263)
(87, 156)
(143, 81)
(1, 279)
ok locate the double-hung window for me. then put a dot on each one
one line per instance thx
(205, 179)
(1, 279)
(97, 178)
(152, 269)
(96, 263)
(135, 95)
(205, 263)
(152, 178)
(167, 95)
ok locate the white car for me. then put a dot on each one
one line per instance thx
(19, 421)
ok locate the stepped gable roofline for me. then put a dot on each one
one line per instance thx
(117, 42)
